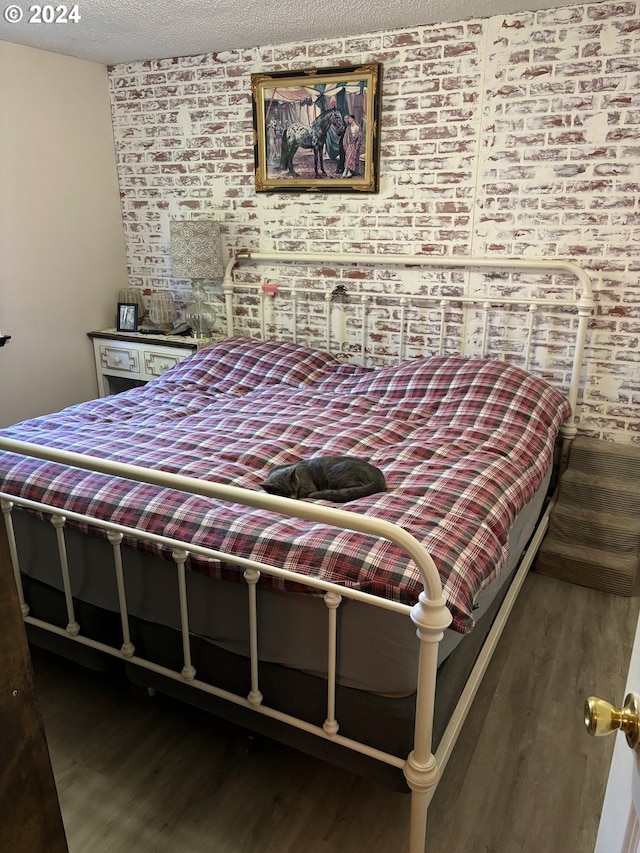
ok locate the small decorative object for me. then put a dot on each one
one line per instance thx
(196, 253)
(317, 129)
(201, 315)
(127, 317)
(133, 294)
(162, 311)
(340, 293)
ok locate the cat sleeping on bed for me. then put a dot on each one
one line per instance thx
(331, 478)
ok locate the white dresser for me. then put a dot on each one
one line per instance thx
(126, 359)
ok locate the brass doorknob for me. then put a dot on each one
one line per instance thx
(601, 718)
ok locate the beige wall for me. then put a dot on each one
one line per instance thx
(61, 238)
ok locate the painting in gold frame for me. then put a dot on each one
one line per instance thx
(317, 130)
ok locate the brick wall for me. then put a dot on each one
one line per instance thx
(512, 136)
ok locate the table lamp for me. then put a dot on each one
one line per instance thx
(196, 253)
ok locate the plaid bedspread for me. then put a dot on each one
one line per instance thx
(463, 444)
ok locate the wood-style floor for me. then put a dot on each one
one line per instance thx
(137, 774)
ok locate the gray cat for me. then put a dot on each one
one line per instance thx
(331, 478)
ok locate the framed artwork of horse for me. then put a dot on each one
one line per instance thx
(317, 129)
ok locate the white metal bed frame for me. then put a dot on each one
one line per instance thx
(422, 768)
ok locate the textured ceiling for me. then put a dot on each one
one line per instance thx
(115, 31)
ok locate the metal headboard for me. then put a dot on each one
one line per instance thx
(439, 304)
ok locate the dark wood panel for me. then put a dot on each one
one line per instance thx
(30, 817)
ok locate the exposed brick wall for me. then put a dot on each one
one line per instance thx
(514, 135)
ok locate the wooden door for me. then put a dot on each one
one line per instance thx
(30, 817)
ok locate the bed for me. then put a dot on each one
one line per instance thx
(137, 527)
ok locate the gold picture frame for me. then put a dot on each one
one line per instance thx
(317, 130)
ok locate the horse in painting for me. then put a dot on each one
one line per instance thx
(298, 136)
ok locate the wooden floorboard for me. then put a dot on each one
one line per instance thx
(146, 775)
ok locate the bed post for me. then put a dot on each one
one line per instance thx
(421, 771)
(227, 289)
(569, 428)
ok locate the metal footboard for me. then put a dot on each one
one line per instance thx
(430, 614)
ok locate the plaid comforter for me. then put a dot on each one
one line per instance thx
(463, 443)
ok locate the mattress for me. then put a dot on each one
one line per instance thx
(377, 649)
(464, 444)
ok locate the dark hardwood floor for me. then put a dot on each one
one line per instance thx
(146, 775)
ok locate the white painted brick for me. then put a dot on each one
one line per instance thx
(513, 135)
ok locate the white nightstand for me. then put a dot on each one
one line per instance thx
(126, 359)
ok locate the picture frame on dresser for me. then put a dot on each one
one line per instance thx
(317, 129)
(127, 319)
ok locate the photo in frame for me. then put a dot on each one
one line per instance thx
(317, 129)
(127, 317)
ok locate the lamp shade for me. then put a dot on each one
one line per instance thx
(196, 250)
